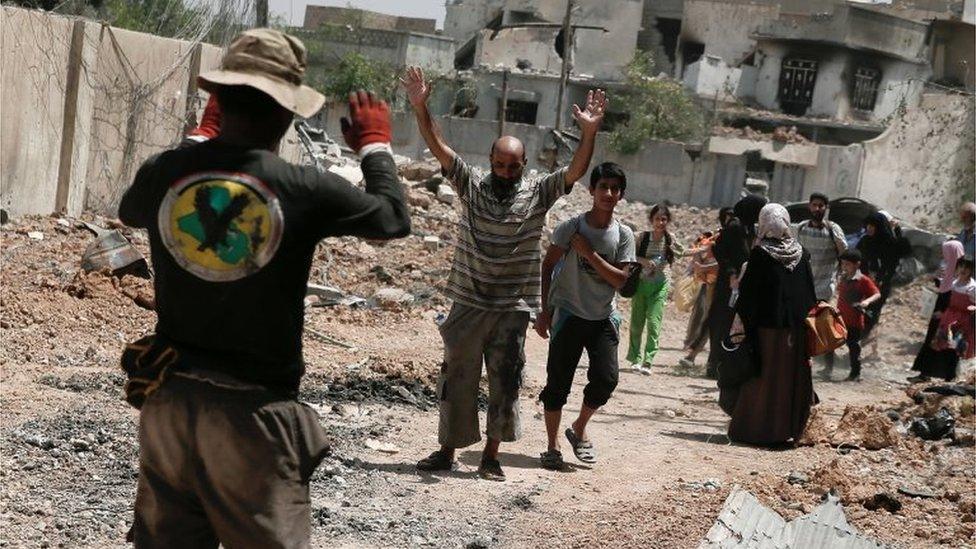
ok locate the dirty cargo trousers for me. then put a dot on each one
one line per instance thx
(471, 337)
(224, 463)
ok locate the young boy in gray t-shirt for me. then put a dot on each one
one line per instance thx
(579, 309)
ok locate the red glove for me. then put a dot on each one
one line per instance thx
(370, 121)
(210, 121)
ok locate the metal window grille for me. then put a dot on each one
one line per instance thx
(866, 81)
(796, 81)
(523, 112)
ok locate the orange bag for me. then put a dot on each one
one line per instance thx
(825, 330)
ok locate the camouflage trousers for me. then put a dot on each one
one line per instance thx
(473, 337)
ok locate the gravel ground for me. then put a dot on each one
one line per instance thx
(69, 456)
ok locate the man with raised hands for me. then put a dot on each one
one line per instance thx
(494, 281)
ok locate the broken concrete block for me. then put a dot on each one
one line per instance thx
(432, 242)
(391, 298)
(446, 194)
(418, 199)
(420, 171)
(351, 172)
(435, 183)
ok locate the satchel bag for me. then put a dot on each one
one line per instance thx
(825, 330)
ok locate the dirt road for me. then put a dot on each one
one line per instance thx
(69, 455)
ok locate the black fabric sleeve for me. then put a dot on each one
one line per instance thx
(380, 212)
(751, 289)
(137, 208)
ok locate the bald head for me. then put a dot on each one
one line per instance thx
(508, 145)
(507, 158)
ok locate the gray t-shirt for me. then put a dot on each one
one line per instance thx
(577, 287)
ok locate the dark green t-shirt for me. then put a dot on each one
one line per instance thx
(232, 233)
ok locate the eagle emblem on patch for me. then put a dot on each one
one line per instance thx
(221, 226)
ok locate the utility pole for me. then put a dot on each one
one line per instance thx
(567, 60)
(261, 13)
(504, 106)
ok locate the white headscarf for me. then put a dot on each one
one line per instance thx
(776, 236)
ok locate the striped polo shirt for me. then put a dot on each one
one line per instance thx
(498, 257)
(825, 244)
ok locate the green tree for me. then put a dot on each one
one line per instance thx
(353, 72)
(659, 108)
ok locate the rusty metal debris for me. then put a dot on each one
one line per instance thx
(112, 251)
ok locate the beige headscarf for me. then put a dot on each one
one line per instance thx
(775, 235)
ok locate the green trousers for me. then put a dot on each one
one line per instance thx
(646, 308)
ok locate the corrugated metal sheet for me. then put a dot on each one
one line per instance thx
(744, 522)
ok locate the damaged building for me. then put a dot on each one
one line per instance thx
(819, 95)
(331, 33)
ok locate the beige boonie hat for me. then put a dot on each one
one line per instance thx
(270, 61)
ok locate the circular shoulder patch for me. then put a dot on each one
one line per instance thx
(221, 226)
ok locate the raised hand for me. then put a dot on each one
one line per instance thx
(418, 89)
(368, 122)
(590, 117)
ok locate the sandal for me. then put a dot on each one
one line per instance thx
(491, 469)
(582, 448)
(552, 460)
(436, 461)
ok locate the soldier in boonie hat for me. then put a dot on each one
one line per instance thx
(272, 62)
(226, 450)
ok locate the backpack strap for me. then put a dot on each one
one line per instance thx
(645, 242)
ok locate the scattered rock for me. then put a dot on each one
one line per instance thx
(435, 183)
(446, 194)
(480, 542)
(917, 492)
(419, 199)
(391, 298)
(385, 447)
(864, 427)
(432, 243)
(420, 171)
(407, 395)
(797, 477)
(35, 235)
(382, 274)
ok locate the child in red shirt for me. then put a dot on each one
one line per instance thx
(854, 293)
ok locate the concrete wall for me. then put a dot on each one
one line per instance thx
(725, 28)
(953, 56)
(921, 167)
(316, 16)
(328, 45)
(80, 114)
(513, 47)
(31, 107)
(596, 54)
(854, 27)
(837, 171)
(140, 84)
(901, 81)
(464, 18)
(712, 78)
(434, 53)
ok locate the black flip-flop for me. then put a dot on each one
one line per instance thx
(552, 460)
(583, 449)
